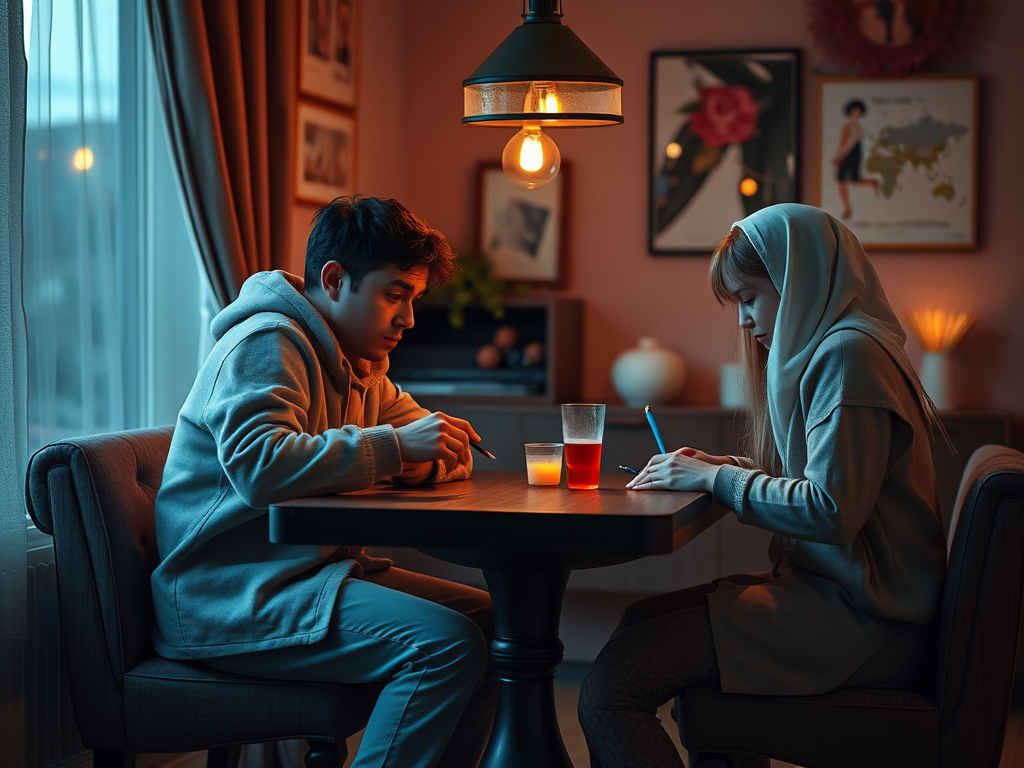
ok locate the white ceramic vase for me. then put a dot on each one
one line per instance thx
(937, 378)
(648, 374)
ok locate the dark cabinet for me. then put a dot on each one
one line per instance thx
(440, 361)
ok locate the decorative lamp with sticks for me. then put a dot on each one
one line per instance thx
(938, 331)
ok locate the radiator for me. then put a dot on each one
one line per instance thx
(36, 669)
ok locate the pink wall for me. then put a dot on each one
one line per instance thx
(628, 293)
(381, 114)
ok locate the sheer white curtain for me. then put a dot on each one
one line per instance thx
(108, 278)
(73, 286)
(111, 284)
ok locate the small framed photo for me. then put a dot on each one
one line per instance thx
(325, 166)
(523, 230)
(897, 159)
(724, 142)
(328, 50)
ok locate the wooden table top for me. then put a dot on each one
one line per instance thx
(498, 511)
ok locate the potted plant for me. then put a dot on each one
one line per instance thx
(474, 283)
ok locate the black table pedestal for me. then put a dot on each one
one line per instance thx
(526, 653)
(526, 541)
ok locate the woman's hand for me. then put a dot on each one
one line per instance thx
(684, 470)
(707, 458)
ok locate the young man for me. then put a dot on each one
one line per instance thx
(293, 401)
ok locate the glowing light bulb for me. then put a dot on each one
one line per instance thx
(748, 187)
(531, 154)
(82, 159)
(542, 97)
(673, 150)
(531, 159)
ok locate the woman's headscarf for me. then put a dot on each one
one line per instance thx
(827, 284)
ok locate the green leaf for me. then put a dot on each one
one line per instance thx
(474, 283)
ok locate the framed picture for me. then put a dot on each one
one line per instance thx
(897, 159)
(724, 142)
(325, 166)
(523, 230)
(328, 50)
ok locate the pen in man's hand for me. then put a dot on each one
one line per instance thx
(654, 428)
(483, 450)
(629, 469)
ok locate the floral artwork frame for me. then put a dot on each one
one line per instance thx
(724, 142)
(325, 153)
(329, 50)
(896, 159)
(523, 231)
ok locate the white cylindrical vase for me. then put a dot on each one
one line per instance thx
(730, 387)
(937, 378)
(648, 374)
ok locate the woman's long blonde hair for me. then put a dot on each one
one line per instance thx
(734, 259)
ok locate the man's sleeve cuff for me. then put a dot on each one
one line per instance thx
(383, 448)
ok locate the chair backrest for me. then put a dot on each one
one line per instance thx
(980, 616)
(96, 496)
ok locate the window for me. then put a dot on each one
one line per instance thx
(112, 288)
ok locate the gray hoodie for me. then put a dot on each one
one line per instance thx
(276, 412)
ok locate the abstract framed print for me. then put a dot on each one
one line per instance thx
(523, 230)
(724, 142)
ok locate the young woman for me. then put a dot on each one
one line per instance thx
(839, 436)
(848, 157)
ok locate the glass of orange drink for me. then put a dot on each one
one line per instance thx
(543, 463)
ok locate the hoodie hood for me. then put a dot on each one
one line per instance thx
(281, 293)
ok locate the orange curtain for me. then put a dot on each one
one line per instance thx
(228, 77)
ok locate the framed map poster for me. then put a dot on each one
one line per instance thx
(897, 159)
(724, 142)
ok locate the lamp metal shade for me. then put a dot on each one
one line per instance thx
(545, 57)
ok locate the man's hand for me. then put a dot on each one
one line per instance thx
(436, 437)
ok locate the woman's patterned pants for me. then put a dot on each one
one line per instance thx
(662, 645)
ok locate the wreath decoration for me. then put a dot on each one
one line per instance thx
(891, 37)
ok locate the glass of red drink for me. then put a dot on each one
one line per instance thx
(582, 432)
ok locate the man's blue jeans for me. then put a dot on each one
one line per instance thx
(428, 640)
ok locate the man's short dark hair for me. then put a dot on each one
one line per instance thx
(367, 233)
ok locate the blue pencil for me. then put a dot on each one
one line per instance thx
(654, 428)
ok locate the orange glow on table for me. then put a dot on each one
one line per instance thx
(544, 472)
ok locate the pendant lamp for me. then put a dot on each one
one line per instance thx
(541, 76)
